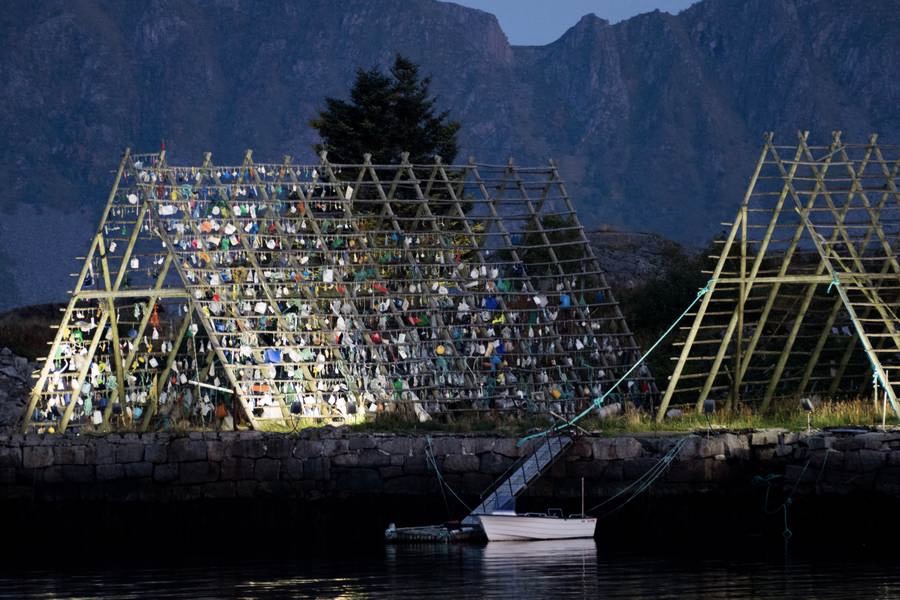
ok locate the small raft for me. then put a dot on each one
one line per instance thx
(431, 534)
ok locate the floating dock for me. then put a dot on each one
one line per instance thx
(430, 534)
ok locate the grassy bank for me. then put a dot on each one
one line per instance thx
(855, 413)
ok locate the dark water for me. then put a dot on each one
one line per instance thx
(572, 569)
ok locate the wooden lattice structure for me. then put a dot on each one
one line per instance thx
(804, 294)
(332, 292)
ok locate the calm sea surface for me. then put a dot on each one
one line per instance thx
(572, 569)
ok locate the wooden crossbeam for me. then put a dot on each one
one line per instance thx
(837, 205)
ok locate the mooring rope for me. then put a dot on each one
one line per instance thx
(788, 501)
(598, 402)
(643, 483)
(873, 362)
(429, 456)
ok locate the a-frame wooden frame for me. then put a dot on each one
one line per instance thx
(804, 291)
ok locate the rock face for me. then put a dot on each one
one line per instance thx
(629, 258)
(336, 464)
(15, 383)
(656, 121)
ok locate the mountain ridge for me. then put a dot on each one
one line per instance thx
(655, 121)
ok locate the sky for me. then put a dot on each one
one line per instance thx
(539, 22)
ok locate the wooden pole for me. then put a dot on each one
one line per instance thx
(41, 382)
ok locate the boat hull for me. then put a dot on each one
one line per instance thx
(507, 528)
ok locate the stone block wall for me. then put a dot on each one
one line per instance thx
(326, 463)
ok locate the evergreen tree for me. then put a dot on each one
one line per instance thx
(387, 115)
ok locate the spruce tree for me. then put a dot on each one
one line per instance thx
(385, 116)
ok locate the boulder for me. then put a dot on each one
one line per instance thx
(35, 457)
(238, 468)
(766, 437)
(187, 450)
(616, 448)
(198, 472)
(110, 472)
(138, 470)
(129, 452)
(736, 446)
(218, 490)
(268, 469)
(461, 463)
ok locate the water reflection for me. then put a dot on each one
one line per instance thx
(546, 569)
(499, 553)
(518, 570)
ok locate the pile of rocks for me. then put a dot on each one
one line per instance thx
(15, 383)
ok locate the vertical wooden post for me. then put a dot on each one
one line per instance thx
(825, 255)
(160, 379)
(734, 398)
(41, 382)
(704, 303)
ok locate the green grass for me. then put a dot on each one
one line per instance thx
(398, 423)
(853, 413)
(463, 423)
(850, 413)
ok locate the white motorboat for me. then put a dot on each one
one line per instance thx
(503, 526)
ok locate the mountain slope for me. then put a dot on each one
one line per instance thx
(655, 121)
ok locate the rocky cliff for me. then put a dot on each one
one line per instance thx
(656, 121)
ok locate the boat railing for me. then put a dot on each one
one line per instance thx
(506, 476)
(529, 466)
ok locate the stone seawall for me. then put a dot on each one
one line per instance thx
(323, 464)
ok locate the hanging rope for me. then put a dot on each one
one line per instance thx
(429, 456)
(598, 402)
(643, 483)
(827, 255)
(788, 501)
(876, 374)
